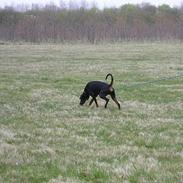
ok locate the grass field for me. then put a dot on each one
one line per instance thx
(45, 136)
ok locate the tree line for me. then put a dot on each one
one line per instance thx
(53, 23)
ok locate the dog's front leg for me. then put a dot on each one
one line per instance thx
(96, 102)
(93, 99)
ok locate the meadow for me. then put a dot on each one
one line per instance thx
(46, 136)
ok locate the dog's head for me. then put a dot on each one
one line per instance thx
(84, 97)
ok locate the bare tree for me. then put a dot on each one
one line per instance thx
(85, 22)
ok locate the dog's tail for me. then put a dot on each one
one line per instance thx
(111, 79)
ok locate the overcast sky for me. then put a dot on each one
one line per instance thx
(100, 3)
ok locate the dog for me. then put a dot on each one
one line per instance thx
(95, 88)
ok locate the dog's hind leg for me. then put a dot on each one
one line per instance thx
(115, 100)
(103, 96)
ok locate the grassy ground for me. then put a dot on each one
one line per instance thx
(45, 136)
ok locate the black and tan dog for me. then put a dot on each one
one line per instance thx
(95, 88)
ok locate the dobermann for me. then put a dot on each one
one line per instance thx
(95, 88)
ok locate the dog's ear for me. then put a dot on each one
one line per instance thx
(87, 97)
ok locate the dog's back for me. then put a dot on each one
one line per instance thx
(95, 87)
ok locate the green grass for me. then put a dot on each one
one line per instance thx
(45, 136)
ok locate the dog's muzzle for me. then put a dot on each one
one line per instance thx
(81, 102)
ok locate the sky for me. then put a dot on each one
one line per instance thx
(99, 3)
